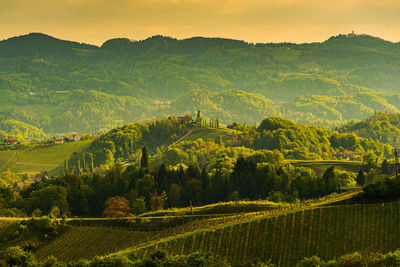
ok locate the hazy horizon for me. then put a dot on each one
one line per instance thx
(173, 37)
(255, 21)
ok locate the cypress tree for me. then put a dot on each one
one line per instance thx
(144, 161)
(65, 166)
(131, 147)
(83, 162)
(79, 167)
(198, 119)
(361, 178)
(91, 162)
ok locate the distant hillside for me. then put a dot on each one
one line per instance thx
(59, 85)
(20, 130)
(383, 126)
(34, 159)
(228, 105)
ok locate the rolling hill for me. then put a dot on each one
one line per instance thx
(83, 88)
(37, 158)
(282, 236)
(285, 239)
(382, 126)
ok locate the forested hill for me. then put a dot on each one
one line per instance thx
(219, 148)
(382, 126)
(328, 83)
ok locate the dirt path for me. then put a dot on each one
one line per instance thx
(38, 164)
(180, 139)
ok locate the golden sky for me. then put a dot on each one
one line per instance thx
(95, 21)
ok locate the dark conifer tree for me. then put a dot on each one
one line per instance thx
(361, 178)
(144, 161)
(329, 179)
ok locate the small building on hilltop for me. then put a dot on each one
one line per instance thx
(185, 119)
(75, 137)
(39, 177)
(11, 141)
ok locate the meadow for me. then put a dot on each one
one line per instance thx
(36, 158)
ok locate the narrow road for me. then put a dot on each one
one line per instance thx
(180, 139)
(38, 164)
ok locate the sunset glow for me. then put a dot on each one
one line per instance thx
(94, 21)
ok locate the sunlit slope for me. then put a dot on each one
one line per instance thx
(38, 158)
(287, 238)
(88, 242)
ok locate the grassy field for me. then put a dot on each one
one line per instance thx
(289, 237)
(206, 134)
(8, 158)
(348, 165)
(38, 158)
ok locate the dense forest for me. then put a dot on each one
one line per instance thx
(61, 86)
(382, 126)
(146, 166)
(292, 140)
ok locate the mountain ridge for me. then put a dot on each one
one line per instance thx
(332, 39)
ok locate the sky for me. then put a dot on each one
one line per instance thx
(95, 21)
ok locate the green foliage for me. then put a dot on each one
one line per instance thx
(81, 87)
(21, 131)
(16, 256)
(382, 126)
(355, 259)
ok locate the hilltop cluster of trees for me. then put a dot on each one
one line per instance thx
(293, 140)
(305, 142)
(124, 142)
(383, 126)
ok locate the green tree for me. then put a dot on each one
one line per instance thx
(66, 169)
(83, 162)
(139, 206)
(329, 178)
(198, 118)
(144, 160)
(360, 178)
(91, 163)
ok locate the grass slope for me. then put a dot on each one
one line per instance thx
(8, 158)
(209, 133)
(348, 165)
(289, 237)
(38, 158)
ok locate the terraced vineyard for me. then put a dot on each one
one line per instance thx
(88, 242)
(5, 223)
(8, 158)
(287, 238)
